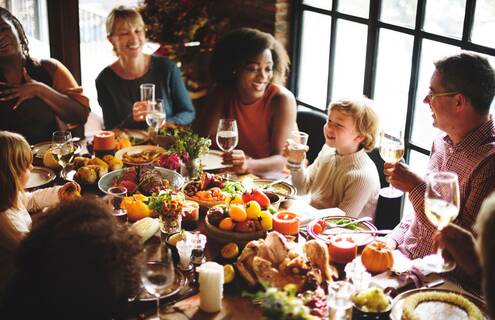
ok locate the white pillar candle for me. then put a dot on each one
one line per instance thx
(210, 287)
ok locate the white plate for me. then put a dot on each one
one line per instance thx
(212, 160)
(137, 149)
(40, 148)
(40, 176)
(140, 136)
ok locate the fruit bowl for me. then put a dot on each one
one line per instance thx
(223, 236)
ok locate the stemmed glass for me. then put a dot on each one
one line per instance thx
(157, 276)
(62, 147)
(391, 150)
(156, 117)
(441, 207)
(227, 135)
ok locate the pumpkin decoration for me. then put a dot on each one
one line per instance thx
(377, 257)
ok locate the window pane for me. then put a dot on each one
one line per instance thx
(445, 17)
(359, 8)
(393, 75)
(401, 12)
(34, 20)
(484, 23)
(350, 59)
(313, 67)
(423, 131)
(323, 4)
(419, 162)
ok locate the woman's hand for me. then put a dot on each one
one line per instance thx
(69, 191)
(139, 110)
(28, 90)
(238, 160)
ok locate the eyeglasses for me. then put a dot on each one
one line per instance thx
(431, 95)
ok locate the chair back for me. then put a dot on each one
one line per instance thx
(312, 123)
(387, 209)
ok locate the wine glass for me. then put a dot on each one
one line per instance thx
(116, 195)
(391, 150)
(62, 148)
(156, 117)
(227, 135)
(158, 276)
(441, 207)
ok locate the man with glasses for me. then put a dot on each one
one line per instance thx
(461, 91)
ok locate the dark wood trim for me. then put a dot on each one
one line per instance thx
(371, 49)
(63, 26)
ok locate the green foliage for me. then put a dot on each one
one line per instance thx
(186, 141)
(281, 304)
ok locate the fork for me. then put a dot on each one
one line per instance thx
(334, 225)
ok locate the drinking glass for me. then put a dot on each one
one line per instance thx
(339, 300)
(62, 147)
(156, 117)
(157, 277)
(441, 207)
(147, 92)
(298, 141)
(391, 151)
(117, 194)
(227, 135)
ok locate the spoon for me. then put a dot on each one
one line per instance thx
(269, 185)
(334, 225)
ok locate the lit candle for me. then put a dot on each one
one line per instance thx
(210, 287)
(342, 249)
(286, 222)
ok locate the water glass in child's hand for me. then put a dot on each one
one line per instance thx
(297, 147)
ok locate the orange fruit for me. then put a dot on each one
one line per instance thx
(226, 224)
(237, 213)
(230, 250)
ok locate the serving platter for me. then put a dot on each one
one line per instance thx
(135, 150)
(398, 302)
(282, 188)
(175, 179)
(329, 231)
(40, 176)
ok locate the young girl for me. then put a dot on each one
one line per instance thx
(342, 175)
(15, 203)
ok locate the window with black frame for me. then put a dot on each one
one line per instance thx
(385, 49)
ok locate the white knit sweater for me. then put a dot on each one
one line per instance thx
(349, 182)
(15, 224)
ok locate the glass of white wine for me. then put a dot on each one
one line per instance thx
(158, 276)
(156, 117)
(441, 207)
(62, 148)
(227, 135)
(391, 151)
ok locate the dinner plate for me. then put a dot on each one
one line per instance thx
(40, 148)
(180, 282)
(137, 137)
(281, 188)
(68, 174)
(326, 234)
(39, 177)
(398, 302)
(212, 160)
(135, 150)
(175, 179)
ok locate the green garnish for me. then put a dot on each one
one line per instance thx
(233, 187)
(351, 226)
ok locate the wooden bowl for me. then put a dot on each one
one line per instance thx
(223, 236)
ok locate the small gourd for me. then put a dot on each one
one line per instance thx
(377, 257)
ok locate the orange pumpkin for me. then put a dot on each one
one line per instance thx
(377, 257)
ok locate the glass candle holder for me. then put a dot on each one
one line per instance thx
(198, 241)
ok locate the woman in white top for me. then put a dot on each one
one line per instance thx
(15, 203)
(342, 175)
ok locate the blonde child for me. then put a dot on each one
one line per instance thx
(15, 203)
(342, 175)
